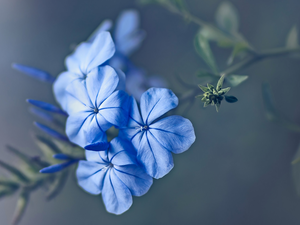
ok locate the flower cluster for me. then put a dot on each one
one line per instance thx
(92, 94)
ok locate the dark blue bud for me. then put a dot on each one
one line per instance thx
(51, 132)
(46, 106)
(41, 114)
(62, 156)
(34, 72)
(58, 167)
(98, 146)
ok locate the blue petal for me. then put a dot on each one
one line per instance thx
(156, 102)
(90, 176)
(96, 128)
(115, 108)
(97, 146)
(51, 132)
(135, 119)
(100, 83)
(102, 49)
(121, 152)
(59, 87)
(100, 156)
(34, 72)
(58, 167)
(133, 176)
(46, 106)
(75, 61)
(122, 80)
(104, 26)
(175, 133)
(136, 83)
(127, 34)
(116, 196)
(76, 127)
(77, 89)
(157, 161)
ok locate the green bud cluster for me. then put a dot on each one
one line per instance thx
(214, 95)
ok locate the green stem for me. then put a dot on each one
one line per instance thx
(254, 58)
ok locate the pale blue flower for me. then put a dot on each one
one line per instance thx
(85, 59)
(155, 139)
(137, 82)
(115, 174)
(94, 105)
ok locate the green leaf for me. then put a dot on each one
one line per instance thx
(220, 83)
(239, 48)
(14, 171)
(224, 91)
(27, 160)
(227, 17)
(271, 112)
(212, 34)
(236, 80)
(217, 105)
(206, 104)
(230, 99)
(57, 185)
(203, 49)
(179, 4)
(47, 147)
(204, 89)
(199, 96)
(21, 206)
(292, 38)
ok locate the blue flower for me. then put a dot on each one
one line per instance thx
(85, 59)
(94, 105)
(115, 174)
(155, 139)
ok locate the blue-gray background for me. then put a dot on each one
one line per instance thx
(237, 172)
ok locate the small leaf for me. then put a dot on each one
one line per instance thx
(21, 206)
(206, 104)
(236, 80)
(199, 96)
(224, 91)
(179, 4)
(204, 89)
(223, 40)
(47, 147)
(217, 105)
(271, 112)
(231, 99)
(220, 83)
(203, 49)
(57, 185)
(51, 132)
(210, 87)
(34, 72)
(25, 158)
(14, 171)
(292, 38)
(238, 48)
(227, 17)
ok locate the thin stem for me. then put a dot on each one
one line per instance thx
(254, 58)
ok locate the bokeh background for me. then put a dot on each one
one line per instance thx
(237, 172)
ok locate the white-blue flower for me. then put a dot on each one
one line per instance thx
(95, 104)
(85, 59)
(155, 139)
(115, 174)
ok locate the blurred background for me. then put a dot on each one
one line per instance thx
(239, 169)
